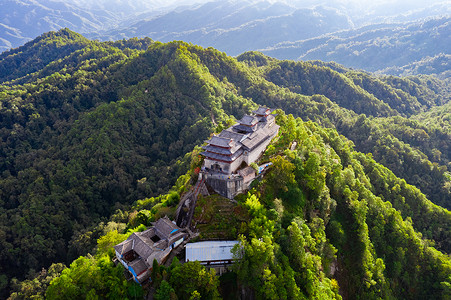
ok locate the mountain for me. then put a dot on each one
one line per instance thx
(315, 226)
(127, 8)
(374, 47)
(439, 65)
(373, 36)
(236, 27)
(377, 12)
(93, 133)
(23, 20)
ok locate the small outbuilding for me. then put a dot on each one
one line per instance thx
(210, 252)
(138, 252)
(248, 174)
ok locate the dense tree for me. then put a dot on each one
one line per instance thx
(88, 128)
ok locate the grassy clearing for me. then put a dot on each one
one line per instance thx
(218, 218)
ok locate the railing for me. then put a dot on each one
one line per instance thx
(198, 185)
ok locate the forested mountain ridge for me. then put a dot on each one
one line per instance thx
(44, 55)
(390, 48)
(317, 227)
(109, 123)
(438, 65)
(71, 150)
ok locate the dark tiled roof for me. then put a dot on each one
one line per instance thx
(159, 255)
(124, 247)
(266, 119)
(164, 227)
(138, 266)
(248, 120)
(260, 136)
(230, 134)
(149, 232)
(240, 127)
(175, 237)
(141, 242)
(218, 150)
(160, 245)
(223, 157)
(247, 171)
(262, 111)
(143, 245)
(148, 250)
(141, 278)
(270, 117)
(220, 142)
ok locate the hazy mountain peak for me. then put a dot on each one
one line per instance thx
(231, 26)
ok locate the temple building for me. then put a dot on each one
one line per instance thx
(228, 153)
(138, 252)
(244, 142)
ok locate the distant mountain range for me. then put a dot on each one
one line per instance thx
(369, 36)
(23, 20)
(236, 27)
(439, 65)
(375, 47)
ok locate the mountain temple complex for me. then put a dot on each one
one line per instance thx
(226, 170)
(228, 153)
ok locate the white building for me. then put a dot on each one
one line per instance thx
(210, 252)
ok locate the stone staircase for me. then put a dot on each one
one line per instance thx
(185, 210)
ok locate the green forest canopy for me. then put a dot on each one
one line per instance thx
(318, 228)
(88, 128)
